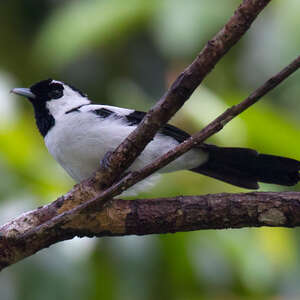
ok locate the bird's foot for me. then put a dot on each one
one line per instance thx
(105, 162)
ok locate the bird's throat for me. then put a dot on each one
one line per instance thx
(44, 120)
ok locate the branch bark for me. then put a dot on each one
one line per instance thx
(148, 216)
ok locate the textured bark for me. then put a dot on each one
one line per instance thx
(36, 230)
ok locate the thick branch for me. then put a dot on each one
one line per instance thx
(22, 237)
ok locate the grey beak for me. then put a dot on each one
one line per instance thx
(23, 92)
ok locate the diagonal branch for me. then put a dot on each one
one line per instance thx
(180, 91)
(151, 216)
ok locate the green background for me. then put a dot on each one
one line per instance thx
(126, 53)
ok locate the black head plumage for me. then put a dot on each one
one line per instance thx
(47, 90)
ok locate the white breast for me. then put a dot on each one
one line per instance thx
(79, 140)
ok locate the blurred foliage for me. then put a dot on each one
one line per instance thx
(126, 53)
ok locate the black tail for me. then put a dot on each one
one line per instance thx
(245, 167)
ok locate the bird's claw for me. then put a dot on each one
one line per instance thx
(105, 162)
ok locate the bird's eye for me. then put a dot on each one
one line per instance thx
(55, 94)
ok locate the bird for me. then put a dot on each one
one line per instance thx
(78, 134)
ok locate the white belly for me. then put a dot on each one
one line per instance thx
(79, 147)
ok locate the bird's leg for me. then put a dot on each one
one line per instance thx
(105, 161)
(105, 164)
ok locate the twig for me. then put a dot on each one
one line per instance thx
(151, 216)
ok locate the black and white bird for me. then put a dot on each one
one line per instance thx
(78, 134)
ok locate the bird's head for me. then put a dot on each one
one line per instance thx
(52, 97)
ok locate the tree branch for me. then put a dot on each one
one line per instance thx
(180, 91)
(148, 216)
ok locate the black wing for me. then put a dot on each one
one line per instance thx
(179, 135)
(103, 112)
(136, 117)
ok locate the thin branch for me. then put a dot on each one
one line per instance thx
(212, 128)
(180, 91)
(150, 216)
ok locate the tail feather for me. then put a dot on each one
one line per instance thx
(246, 167)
